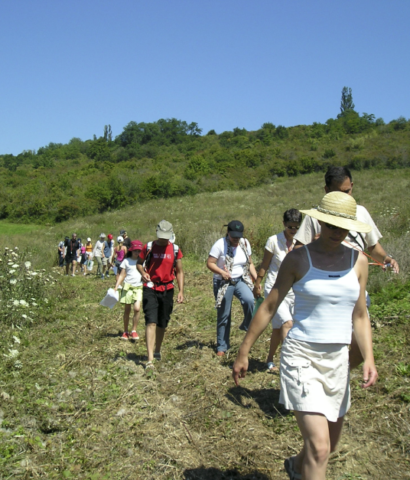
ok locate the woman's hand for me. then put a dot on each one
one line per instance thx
(240, 367)
(369, 374)
(225, 274)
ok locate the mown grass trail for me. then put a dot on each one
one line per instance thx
(83, 406)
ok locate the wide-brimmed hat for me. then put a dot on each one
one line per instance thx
(235, 229)
(164, 230)
(339, 209)
(135, 245)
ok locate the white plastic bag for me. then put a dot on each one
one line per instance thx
(90, 265)
(110, 299)
(114, 269)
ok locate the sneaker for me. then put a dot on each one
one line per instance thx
(135, 336)
(102, 276)
(125, 336)
(157, 355)
(72, 275)
(107, 274)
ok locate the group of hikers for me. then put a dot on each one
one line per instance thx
(315, 299)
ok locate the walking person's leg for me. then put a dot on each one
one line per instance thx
(244, 294)
(127, 310)
(165, 307)
(150, 307)
(135, 320)
(311, 462)
(223, 320)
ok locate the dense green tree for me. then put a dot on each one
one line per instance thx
(346, 103)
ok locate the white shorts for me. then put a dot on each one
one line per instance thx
(314, 377)
(285, 310)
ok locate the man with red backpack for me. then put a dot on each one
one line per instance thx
(159, 263)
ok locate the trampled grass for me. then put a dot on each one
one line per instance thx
(83, 407)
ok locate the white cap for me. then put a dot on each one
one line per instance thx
(120, 239)
(88, 239)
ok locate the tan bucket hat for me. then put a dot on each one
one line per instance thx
(339, 209)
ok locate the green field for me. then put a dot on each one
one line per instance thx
(75, 401)
(8, 229)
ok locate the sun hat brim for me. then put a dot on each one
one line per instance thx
(341, 222)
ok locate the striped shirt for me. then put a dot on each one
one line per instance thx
(324, 303)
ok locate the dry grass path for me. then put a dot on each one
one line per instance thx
(84, 407)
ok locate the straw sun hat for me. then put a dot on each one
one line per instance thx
(338, 209)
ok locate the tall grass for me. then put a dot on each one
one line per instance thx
(199, 220)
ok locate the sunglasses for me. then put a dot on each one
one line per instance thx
(333, 227)
(293, 228)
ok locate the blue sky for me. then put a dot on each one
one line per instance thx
(69, 68)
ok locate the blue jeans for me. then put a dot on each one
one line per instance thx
(223, 326)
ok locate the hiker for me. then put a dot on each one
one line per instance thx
(329, 283)
(131, 292)
(71, 253)
(230, 261)
(107, 255)
(119, 254)
(339, 179)
(276, 248)
(163, 262)
(126, 238)
(84, 259)
(98, 254)
(89, 254)
(61, 252)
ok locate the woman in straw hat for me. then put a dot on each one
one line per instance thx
(329, 282)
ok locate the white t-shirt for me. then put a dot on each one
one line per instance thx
(275, 244)
(310, 228)
(219, 251)
(98, 249)
(133, 276)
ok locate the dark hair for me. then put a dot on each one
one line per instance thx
(129, 254)
(292, 215)
(337, 175)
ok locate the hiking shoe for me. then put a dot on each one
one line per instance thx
(107, 274)
(135, 336)
(157, 355)
(125, 336)
(102, 276)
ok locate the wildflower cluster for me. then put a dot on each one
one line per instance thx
(23, 290)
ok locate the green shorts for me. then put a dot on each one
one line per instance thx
(130, 294)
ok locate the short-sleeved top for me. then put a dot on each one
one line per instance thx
(89, 247)
(127, 242)
(219, 251)
(98, 249)
(310, 228)
(72, 248)
(108, 247)
(276, 244)
(133, 276)
(161, 266)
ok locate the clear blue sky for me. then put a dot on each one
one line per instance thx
(69, 68)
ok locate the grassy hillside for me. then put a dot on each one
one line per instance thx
(75, 401)
(170, 159)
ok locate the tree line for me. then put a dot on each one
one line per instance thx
(171, 157)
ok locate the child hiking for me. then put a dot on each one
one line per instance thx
(131, 293)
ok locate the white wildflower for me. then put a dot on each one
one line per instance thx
(23, 302)
(34, 274)
(16, 339)
(27, 264)
(18, 364)
(16, 265)
(13, 354)
(34, 304)
(16, 303)
(13, 282)
(11, 271)
(24, 316)
(16, 248)
(46, 300)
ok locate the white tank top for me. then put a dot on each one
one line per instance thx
(324, 303)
